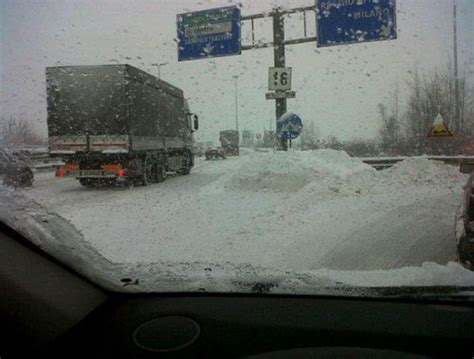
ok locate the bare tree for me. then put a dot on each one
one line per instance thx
(405, 132)
(391, 126)
(362, 148)
(333, 143)
(15, 133)
(309, 137)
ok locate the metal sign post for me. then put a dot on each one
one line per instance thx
(279, 60)
(278, 45)
(216, 32)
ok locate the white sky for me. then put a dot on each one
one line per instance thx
(337, 88)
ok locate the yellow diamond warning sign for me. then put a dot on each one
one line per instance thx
(440, 128)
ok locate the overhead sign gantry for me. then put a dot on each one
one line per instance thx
(216, 32)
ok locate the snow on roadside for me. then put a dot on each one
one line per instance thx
(427, 274)
(229, 275)
(416, 171)
(328, 174)
(423, 170)
(287, 210)
(288, 171)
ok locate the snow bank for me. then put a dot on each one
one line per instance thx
(324, 174)
(289, 171)
(293, 220)
(423, 170)
(59, 238)
(417, 171)
(428, 274)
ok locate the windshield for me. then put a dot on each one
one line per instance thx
(284, 146)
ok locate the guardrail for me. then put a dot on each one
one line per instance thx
(41, 161)
(38, 157)
(381, 163)
(43, 167)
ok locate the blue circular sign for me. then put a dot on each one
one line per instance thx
(289, 126)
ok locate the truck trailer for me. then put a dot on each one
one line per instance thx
(117, 123)
(230, 142)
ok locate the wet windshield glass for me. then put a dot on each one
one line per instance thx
(235, 146)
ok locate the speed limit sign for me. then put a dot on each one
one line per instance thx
(279, 78)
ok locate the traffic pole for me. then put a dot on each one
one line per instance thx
(279, 61)
(457, 111)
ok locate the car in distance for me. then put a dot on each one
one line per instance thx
(215, 153)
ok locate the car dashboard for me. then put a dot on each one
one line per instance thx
(47, 309)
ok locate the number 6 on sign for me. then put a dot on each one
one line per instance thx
(279, 78)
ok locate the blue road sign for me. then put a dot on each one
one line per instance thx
(342, 22)
(209, 33)
(289, 126)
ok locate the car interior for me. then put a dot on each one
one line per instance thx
(47, 309)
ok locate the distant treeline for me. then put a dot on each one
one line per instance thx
(403, 131)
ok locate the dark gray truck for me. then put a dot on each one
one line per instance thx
(230, 142)
(116, 123)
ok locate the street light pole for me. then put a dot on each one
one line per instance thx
(457, 111)
(159, 66)
(235, 77)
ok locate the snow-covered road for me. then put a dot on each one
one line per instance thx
(297, 210)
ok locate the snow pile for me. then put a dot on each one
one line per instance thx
(297, 221)
(290, 171)
(416, 171)
(428, 274)
(422, 170)
(325, 174)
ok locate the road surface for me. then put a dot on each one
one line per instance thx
(355, 219)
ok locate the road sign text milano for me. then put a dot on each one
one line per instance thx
(209, 33)
(351, 21)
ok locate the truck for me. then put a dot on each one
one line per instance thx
(117, 124)
(230, 142)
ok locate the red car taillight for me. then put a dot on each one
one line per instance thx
(63, 169)
(122, 173)
(60, 172)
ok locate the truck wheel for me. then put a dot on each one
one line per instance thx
(29, 178)
(160, 174)
(186, 170)
(150, 171)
